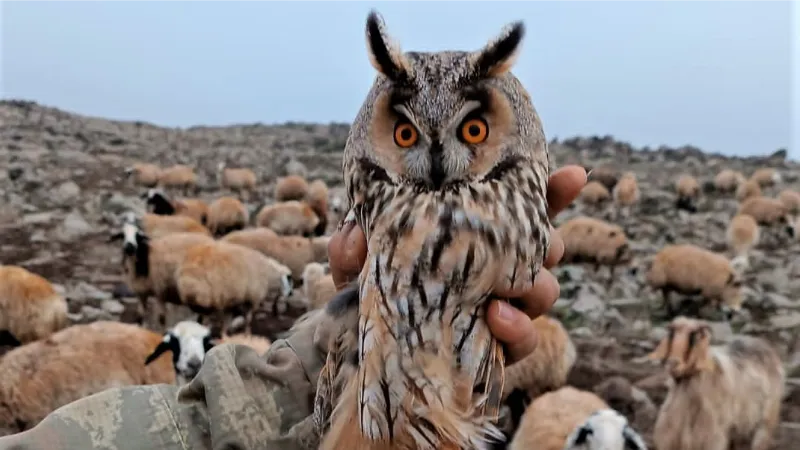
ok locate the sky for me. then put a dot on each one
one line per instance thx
(720, 75)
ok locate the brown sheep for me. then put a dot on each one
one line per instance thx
(178, 176)
(742, 234)
(289, 218)
(594, 193)
(790, 199)
(258, 343)
(292, 187)
(227, 214)
(318, 286)
(144, 174)
(294, 252)
(747, 190)
(30, 308)
(626, 192)
(76, 362)
(766, 177)
(590, 240)
(240, 180)
(160, 204)
(768, 212)
(156, 226)
(727, 181)
(219, 276)
(604, 175)
(722, 396)
(689, 270)
(688, 190)
(572, 419)
(318, 200)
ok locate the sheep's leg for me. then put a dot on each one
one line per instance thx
(219, 318)
(248, 319)
(665, 294)
(610, 279)
(141, 310)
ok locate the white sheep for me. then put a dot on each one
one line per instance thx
(30, 307)
(73, 363)
(720, 396)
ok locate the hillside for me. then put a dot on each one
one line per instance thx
(62, 186)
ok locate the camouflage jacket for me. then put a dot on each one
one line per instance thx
(238, 401)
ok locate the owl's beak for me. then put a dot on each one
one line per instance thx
(437, 174)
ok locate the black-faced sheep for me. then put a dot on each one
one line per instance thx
(594, 194)
(722, 396)
(289, 218)
(318, 201)
(688, 190)
(146, 175)
(571, 419)
(727, 181)
(748, 189)
(691, 270)
(73, 363)
(742, 234)
(178, 176)
(219, 276)
(294, 252)
(766, 177)
(188, 341)
(590, 240)
(160, 204)
(239, 180)
(291, 187)
(227, 214)
(30, 308)
(318, 286)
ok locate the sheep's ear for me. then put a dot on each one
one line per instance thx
(115, 236)
(209, 343)
(698, 357)
(662, 351)
(384, 54)
(580, 436)
(499, 55)
(161, 348)
(8, 339)
(633, 441)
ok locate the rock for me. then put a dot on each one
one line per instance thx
(85, 293)
(66, 192)
(91, 314)
(73, 227)
(588, 305)
(112, 306)
(785, 321)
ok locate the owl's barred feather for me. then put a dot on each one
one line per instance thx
(446, 168)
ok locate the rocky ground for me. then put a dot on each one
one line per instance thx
(62, 187)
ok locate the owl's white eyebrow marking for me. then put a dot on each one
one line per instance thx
(405, 112)
(469, 107)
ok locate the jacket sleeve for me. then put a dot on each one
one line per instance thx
(238, 400)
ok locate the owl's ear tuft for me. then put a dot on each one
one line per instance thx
(500, 54)
(384, 54)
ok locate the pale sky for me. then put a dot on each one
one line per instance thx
(718, 75)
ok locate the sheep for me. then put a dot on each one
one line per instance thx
(768, 212)
(790, 199)
(689, 270)
(294, 252)
(594, 193)
(742, 234)
(156, 226)
(150, 264)
(591, 240)
(30, 307)
(722, 396)
(317, 199)
(189, 342)
(227, 214)
(238, 180)
(766, 177)
(688, 190)
(626, 192)
(289, 218)
(219, 276)
(727, 181)
(747, 190)
(604, 175)
(144, 174)
(73, 363)
(318, 286)
(178, 176)
(160, 204)
(572, 419)
(291, 187)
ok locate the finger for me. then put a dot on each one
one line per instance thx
(513, 328)
(563, 188)
(538, 299)
(347, 251)
(556, 250)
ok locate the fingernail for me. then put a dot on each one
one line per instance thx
(588, 171)
(505, 311)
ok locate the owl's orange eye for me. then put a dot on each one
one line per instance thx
(474, 131)
(405, 135)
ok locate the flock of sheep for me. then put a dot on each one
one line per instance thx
(217, 261)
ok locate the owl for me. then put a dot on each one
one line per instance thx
(445, 168)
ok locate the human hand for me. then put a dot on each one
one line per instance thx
(347, 252)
